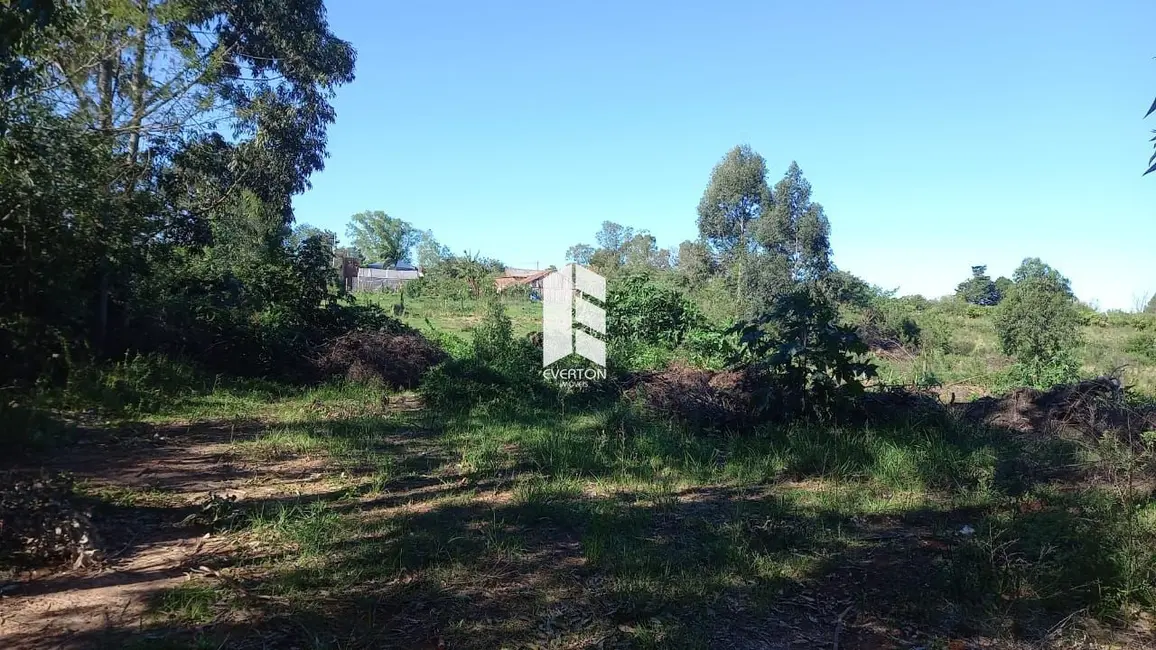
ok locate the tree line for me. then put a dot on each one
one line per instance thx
(150, 151)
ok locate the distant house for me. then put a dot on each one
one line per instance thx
(377, 276)
(512, 277)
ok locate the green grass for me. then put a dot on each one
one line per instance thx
(457, 317)
(516, 523)
(663, 525)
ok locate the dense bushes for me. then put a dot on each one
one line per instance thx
(641, 310)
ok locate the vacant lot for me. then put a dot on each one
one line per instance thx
(342, 517)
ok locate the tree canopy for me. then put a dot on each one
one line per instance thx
(155, 146)
(382, 238)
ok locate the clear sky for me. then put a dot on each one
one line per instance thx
(936, 135)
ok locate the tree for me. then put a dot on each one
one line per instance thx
(979, 289)
(735, 197)
(613, 236)
(303, 231)
(1034, 268)
(382, 237)
(430, 252)
(641, 253)
(123, 107)
(695, 263)
(796, 231)
(1150, 308)
(1037, 320)
(1003, 285)
(580, 254)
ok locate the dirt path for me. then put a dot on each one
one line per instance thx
(158, 478)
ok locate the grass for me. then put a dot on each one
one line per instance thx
(656, 537)
(515, 524)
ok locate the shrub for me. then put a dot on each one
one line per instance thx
(1143, 345)
(710, 348)
(498, 368)
(811, 363)
(1037, 320)
(1042, 373)
(640, 310)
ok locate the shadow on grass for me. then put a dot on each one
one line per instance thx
(515, 527)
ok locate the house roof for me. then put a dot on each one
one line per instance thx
(510, 280)
(400, 266)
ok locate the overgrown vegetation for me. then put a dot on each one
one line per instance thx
(777, 448)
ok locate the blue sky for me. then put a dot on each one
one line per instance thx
(936, 135)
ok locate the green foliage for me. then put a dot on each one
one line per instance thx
(499, 369)
(144, 213)
(621, 249)
(813, 363)
(382, 238)
(979, 288)
(736, 196)
(457, 277)
(1143, 345)
(695, 263)
(710, 348)
(639, 309)
(1033, 268)
(1043, 373)
(795, 232)
(1037, 320)
(846, 289)
(1150, 308)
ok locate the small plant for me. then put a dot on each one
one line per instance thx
(811, 360)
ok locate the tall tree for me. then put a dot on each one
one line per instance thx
(795, 232)
(1032, 268)
(381, 237)
(979, 288)
(613, 236)
(430, 252)
(695, 263)
(580, 254)
(158, 79)
(735, 197)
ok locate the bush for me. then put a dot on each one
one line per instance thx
(498, 368)
(1036, 321)
(710, 348)
(640, 310)
(810, 364)
(1143, 345)
(1061, 368)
